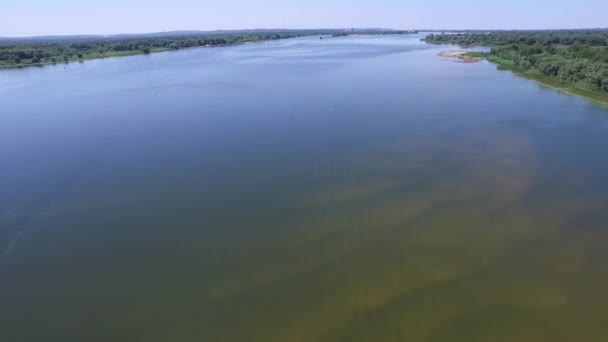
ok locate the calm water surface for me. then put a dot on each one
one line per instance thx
(348, 189)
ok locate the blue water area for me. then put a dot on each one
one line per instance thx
(358, 188)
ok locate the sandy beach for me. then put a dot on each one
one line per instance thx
(462, 56)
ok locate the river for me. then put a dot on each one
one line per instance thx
(357, 188)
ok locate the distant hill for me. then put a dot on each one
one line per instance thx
(72, 38)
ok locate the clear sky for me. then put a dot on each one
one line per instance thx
(50, 17)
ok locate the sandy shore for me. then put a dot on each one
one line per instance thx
(462, 56)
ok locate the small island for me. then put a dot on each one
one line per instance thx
(575, 61)
(462, 56)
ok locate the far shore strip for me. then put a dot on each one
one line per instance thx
(461, 55)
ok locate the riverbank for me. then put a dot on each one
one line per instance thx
(54, 54)
(571, 61)
(579, 89)
(84, 58)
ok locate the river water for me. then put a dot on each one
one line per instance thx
(348, 189)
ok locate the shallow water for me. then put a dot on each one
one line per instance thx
(348, 189)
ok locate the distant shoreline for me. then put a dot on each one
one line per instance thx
(142, 48)
(18, 66)
(15, 54)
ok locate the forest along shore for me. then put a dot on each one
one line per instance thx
(18, 52)
(572, 61)
(51, 50)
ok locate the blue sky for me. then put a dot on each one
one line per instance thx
(49, 17)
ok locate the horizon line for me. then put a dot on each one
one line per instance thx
(302, 29)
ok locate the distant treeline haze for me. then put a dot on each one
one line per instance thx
(24, 53)
(20, 52)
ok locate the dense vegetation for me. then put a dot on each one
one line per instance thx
(577, 59)
(44, 50)
(15, 53)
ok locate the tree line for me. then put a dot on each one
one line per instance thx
(575, 57)
(21, 52)
(39, 52)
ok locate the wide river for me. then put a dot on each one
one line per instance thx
(347, 189)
